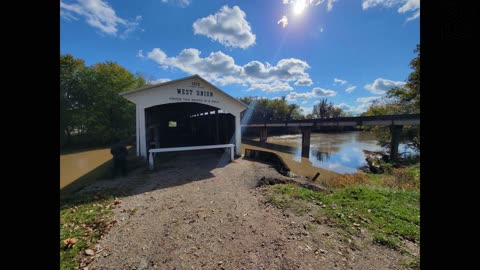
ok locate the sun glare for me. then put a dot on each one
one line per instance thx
(299, 7)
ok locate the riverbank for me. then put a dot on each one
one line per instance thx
(382, 209)
(302, 168)
(210, 215)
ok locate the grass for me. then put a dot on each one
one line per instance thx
(412, 263)
(87, 217)
(85, 221)
(387, 206)
(407, 178)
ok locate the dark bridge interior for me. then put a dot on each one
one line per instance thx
(187, 124)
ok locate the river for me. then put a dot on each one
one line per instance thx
(336, 152)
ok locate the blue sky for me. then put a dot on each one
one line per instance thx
(349, 51)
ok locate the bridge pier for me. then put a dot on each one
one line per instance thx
(395, 131)
(306, 132)
(263, 134)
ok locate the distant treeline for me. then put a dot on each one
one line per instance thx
(271, 110)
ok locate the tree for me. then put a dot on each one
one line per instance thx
(71, 96)
(401, 100)
(294, 112)
(324, 109)
(408, 97)
(337, 112)
(90, 108)
(263, 109)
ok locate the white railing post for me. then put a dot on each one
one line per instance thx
(188, 148)
(150, 159)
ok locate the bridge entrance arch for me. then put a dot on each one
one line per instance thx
(185, 112)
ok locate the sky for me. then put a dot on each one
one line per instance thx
(348, 51)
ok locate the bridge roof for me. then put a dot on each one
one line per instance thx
(196, 76)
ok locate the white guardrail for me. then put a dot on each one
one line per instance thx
(187, 148)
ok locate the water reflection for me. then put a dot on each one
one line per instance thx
(339, 152)
(321, 156)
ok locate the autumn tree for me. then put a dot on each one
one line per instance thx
(401, 100)
(91, 111)
(324, 109)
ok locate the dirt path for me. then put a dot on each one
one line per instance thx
(214, 218)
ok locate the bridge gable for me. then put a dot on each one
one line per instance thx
(191, 89)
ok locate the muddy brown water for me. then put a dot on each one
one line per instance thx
(73, 166)
(330, 154)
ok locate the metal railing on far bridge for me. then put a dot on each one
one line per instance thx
(394, 122)
(378, 120)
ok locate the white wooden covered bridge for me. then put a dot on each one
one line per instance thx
(185, 114)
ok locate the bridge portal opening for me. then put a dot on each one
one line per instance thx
(187, 124)
(184, 113)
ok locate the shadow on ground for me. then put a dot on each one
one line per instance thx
(171, 169)
(277, 147)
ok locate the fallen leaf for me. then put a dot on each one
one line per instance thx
(69, 242)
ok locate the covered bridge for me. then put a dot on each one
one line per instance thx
(185, 112)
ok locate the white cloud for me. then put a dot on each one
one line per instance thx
(355, 109)
(304, 82)
(350, 89)
(312, 3)
(100, 15)
(180, 3)
(283, 21)
(343, 106)
(221, 68)
(410, 5)
(228, 26)
(302, 5)
(157, 55)
(161, 80)
(67, 15)
(365, 103)
(367, 99)
(330, 4)
(316, 92)
(381, 86)
(140, 54)
(406, 6)
(340, 81)
(306, 110)
(276, 86)
(366, 4)
(414, 16)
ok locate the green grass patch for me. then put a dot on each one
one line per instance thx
(85, 218)
(412, 263)
(389, 214)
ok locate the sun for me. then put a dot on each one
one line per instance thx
(299, 7)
